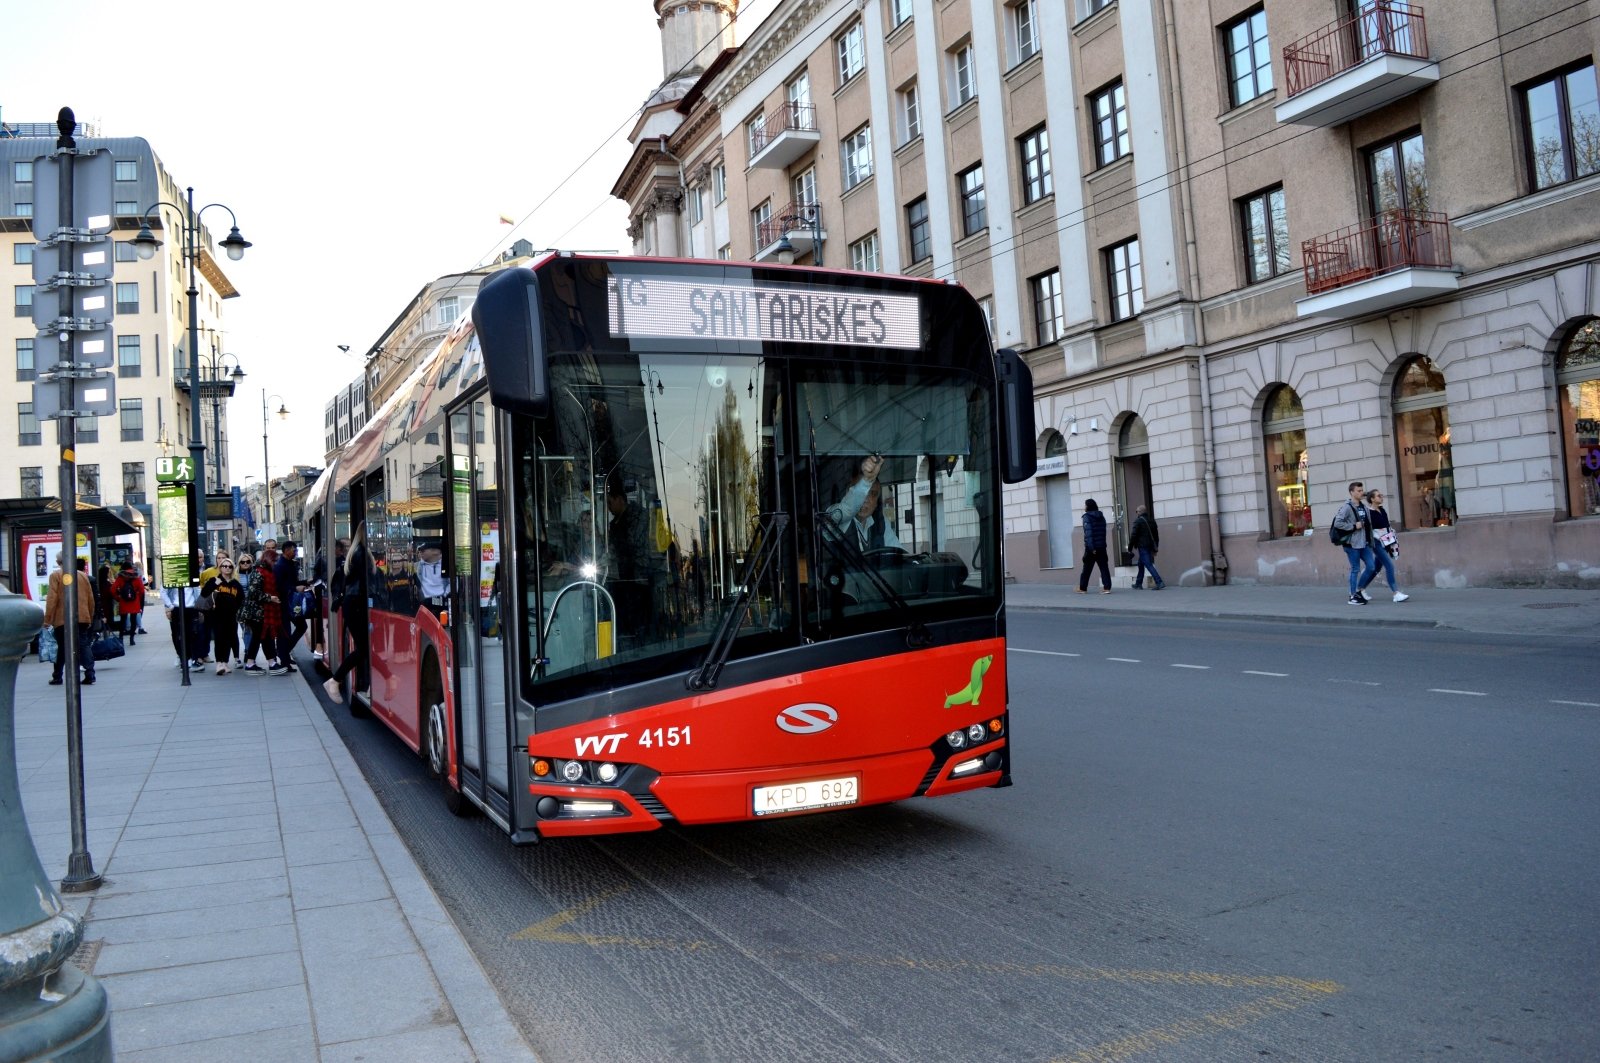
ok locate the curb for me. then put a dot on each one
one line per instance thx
(1256, 618)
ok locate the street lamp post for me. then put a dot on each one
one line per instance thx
(216, 362)
(145, 245)
(809, 216)
(266, 466)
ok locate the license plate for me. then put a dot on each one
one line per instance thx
(801, 796)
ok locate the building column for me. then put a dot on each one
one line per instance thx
(882, 141)
(1147, 121)
(1066, 164)
(998, 165)
(935, 159)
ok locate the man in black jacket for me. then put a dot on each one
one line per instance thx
(286, 575)
(1146, 541)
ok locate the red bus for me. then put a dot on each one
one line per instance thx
(661, 541)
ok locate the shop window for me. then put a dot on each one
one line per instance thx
(1427, 488)
(1578, 381)
(1283, 430)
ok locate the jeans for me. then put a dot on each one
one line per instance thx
(85, 658)
(1362, 567)
(1387, 562)
(1147, 560)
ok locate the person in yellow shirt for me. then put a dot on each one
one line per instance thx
(55, 616)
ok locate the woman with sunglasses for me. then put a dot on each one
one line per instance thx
(226, 596)
(250, 614)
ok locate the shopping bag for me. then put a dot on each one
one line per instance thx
(107, 647)
(47, 645)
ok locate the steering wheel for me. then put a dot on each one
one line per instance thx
(883, 553)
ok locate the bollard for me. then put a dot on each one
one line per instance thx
(49, 1010)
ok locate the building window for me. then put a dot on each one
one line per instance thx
(133, 483)
(1036, 180)
(851, 47)
(25, 366)
(805, 187)
(1397, 175)
(449, 310)
(125, 251)
(132, 419)
(758, 221)
(1249, 57)
(127, 297)
(22, 254)
(725, 252)
(974, 206)
(27, 425)
(33, 481)
(755, 133)
(88, 429)
(857, 153)
(986, 304)
(24, 297)
(127, 208)
(864, 254)
(127, 169)
(1561, 118)
(1048, 316)
(697, 205)
(89, 484)
(22, 172)
(899, 12)
(1283, 431)
(963, 78)
(1110, 109)
(719, 183)
(918, 229)
(910, 112)
(1024, 16)
(1091, 6)
(1578, 381)
(24, 210)
(1422, 443)
(1125, 280)
(1265, 224)
(798, 90)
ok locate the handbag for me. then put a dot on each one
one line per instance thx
(47, 645)
(107, 647)
(1389, 541)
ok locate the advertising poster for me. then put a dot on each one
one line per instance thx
(39, 551)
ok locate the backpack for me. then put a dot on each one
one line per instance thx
(128, 592)
(1336, 535)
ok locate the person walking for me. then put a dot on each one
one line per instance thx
(251, 612)
(1353, 524)
(128, 591)
(104, 602)
(138, 615)
(1094, 548)
(286, 574)
(1385, 546)
(353, 611)
(226, 597)
(55, 616)
(1145, 538)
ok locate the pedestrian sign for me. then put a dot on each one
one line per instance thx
(174, 470)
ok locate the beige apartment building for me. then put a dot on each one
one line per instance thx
(115, 455)
(1252, 251)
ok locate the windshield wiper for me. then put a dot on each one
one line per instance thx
(704, 675)
(840, 545)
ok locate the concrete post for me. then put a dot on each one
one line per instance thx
(49, 1010)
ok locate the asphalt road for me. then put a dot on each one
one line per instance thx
(1226, 840)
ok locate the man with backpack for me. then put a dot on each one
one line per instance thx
(128, 591)
(1351, 530)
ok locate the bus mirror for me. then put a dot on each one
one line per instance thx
(1018, 457)
(506, 317)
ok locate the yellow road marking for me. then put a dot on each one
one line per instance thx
(1291, 993)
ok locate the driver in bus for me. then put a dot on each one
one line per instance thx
(859, 514)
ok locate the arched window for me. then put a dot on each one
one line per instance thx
(1578, 381)
(1055, 444)
(1283, 431)
(1427, 488)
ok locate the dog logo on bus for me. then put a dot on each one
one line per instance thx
(808, 718)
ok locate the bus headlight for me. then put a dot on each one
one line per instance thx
(572, 770)
(607, 773)
(975, 733)
(957, 739)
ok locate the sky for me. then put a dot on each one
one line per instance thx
(364, 149)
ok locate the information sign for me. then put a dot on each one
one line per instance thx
(175, 514)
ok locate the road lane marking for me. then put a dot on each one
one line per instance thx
(1046, 653)
(1198, 667)
(1466, 693)
(1188, 1029)
(1275, 675)
(1580, 704)
(1124, 660)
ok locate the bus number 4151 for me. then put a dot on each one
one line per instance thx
(664, 736)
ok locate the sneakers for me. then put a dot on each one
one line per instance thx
(332, 687)
(1138, 586)
(1365, 596)
(222, 669)
(1082, 591)
(253, 669)
(1401, 596)
(1105, 590)
(1356, 599)
(56, 682)
(277, 669)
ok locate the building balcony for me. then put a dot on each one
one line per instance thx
(219, 384)
(1356, 65)
(801, 223)
(1399, 257)
(785, 137)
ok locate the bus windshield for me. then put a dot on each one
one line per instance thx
(653, 481)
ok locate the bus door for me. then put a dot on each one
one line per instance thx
(478, 623)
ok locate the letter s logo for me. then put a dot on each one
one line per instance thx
(808, 718)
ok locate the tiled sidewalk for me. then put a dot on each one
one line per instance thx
(257, 902)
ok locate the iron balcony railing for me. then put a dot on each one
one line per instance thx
(1394, 240)
(797, 217)
(790, 118)
(1381, 28)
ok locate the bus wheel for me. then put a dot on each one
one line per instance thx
(436, 750)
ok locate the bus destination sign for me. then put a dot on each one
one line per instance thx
(658, 308)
